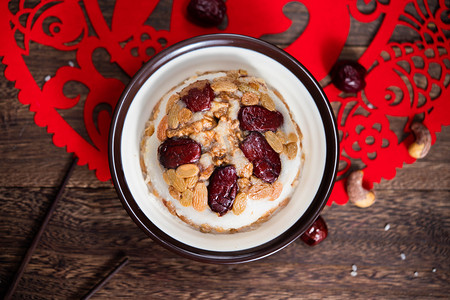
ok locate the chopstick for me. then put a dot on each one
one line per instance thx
(38, 235)
(106, 279)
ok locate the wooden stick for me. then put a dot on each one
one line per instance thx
(38, 235)
(106, 279)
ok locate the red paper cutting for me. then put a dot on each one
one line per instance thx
(366, 140)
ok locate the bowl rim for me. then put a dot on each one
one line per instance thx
(317, 94)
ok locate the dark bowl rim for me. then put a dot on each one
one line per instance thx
(331, 162)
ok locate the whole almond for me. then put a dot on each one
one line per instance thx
(166, 178)
(177, 182)
(200, 199)
(274, 141)
(174, 193)
(291, 150)
(267, 102)
(277, 189)
(292, 137)
(172, 116)
(172, 100)
(191, 182)
(161, 133)
(282, 136)
(240, 203)
(186, 198)
(260, 191)
(187, 170)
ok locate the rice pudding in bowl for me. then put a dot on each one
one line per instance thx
(303, 106)
(229, 150)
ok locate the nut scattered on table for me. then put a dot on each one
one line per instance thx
(357, 194)
(420, 147)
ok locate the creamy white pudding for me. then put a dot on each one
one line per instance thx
(184, 187)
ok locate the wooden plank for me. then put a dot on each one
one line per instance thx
(174, 278)
(90, 230)
(71, 248)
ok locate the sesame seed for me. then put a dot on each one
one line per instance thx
(353, 273)
(434, 270)
(47, 78)
(354, 267)
(416, 274)
(71, 63)
(387, 227)
(402, 256)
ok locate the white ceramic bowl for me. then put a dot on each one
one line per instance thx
(310, 110)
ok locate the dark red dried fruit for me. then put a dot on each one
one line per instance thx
(258, 118)
(266, 162)
(207, 13)
(199, 99)
(222, 189)
(348, 76)
(316, 233)
(178, 151)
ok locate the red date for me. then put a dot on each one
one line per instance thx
(266, 162)
(222, 189)
(348, 76)
(316, 233)
(207, 13)
(174, 152)
(258, 118)
(199, 99)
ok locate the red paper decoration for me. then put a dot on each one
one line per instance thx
(399, 86)
(393, 88)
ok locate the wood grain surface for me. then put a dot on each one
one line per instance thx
(90, 232)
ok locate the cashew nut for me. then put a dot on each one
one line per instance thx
(357, 194)
(422, 144)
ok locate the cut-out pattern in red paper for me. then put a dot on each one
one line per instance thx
(406, 81)
(399, 84)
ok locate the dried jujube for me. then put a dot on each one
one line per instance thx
(266, 162)
(348, 76)
(199, 99)
(207, 13)
(316, 233)
(259, 118)
(174, 152)
(222, 189)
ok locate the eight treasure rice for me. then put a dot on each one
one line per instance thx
(227, 149)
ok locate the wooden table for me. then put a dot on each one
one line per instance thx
(90, 230)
